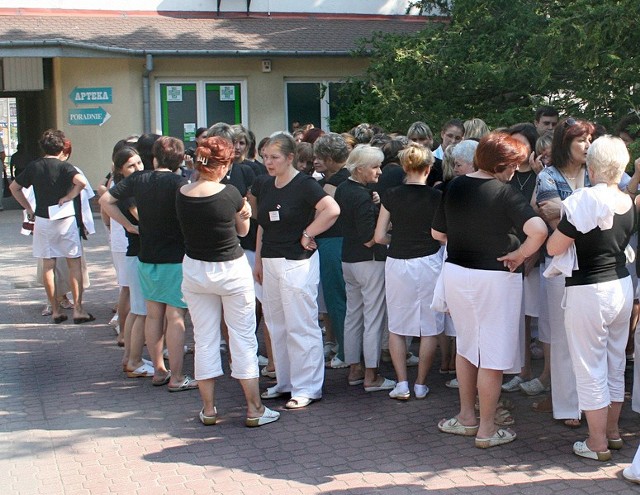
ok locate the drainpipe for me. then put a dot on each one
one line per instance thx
(146, 93)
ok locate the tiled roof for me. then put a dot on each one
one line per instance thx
(164, 33)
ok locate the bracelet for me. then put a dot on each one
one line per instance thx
(304, 234)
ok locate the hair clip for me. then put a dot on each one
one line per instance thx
(201, 159)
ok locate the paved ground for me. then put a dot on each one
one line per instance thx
(71, 422)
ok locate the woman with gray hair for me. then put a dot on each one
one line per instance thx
(595, 228)
(363, 269)
(330, 154)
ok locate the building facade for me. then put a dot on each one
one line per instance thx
(103, 72)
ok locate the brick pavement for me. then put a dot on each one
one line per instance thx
(72, 423)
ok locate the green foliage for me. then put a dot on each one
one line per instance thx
(498, 60)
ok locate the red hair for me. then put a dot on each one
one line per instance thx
(498, 151)
(67, 148)
(213, 153)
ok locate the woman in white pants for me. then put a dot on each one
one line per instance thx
(217, 276)
(598, 222)
(292, 210)
(363, 264)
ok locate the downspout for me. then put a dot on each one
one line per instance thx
(146, 93)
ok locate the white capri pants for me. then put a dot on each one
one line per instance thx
(366, 317)
(136, 298)
(409, 286)
(208, 288)
(597, 323)
(531, 289)
(563, 379)
(290, 291)
(485, 306)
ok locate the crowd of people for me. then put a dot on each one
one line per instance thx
(387, 241)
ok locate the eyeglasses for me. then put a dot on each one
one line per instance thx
(569, 122)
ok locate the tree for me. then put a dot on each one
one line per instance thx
(498, 60)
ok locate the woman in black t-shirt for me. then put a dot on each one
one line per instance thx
(598, 221)
(217, 277)
(363, 269)
(413, 264)
(292, 210)
(478, 218)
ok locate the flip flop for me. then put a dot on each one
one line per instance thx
(187, 384)
(455, 427)
(208, 420)
(59, 319)
(163, 381)
(84, 319)
(145, 370)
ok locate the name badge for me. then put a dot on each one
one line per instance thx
(274, 216)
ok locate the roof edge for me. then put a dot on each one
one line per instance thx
(212, 14)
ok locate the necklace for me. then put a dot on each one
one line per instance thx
(522, 184)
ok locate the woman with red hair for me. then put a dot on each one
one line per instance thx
(217, 277)
(477, 218)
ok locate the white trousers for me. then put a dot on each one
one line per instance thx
(563, 379)
(290, 291)
(366, 318)
(597, 325)
(208, 287)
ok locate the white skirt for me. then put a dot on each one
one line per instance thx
(485, 306)
(409, 287)
(56, 238)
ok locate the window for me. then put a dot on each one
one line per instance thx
(187, 105)
(311, 102)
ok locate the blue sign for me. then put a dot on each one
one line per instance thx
(88, 116)
(81, 96)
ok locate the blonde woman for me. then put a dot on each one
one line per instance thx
(412, 267)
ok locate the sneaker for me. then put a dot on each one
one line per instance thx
(420, 391)
(262, 361)
(400, 393)
(412, 360)
(452, 383)
(534, 387)
(329, 349)
(513, 385)
(336, 363)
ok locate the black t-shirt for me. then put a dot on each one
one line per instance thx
(209, 225)
(600, 253)
(412, 208)
(392, 176)
(482, 218)
(51, 180)
(335, 180)
(435, 175)
(358, 215)
(525, 182)
(241, 177)
(257, 167)
(155, 194)
(283, 213)
(124, 204)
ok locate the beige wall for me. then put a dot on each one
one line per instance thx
(92, 145)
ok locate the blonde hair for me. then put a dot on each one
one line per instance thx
(415, 158)
(364, 155)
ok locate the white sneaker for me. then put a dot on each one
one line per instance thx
(400, 393)
(420, 391)
(336, 363)
(452, 383)
(412, 360)
(513, 385)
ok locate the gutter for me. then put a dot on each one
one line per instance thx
(58, 42)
